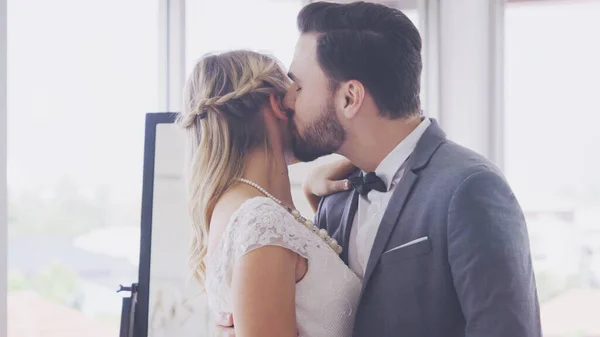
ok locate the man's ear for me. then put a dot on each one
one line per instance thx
(277, 107)
(352, 96)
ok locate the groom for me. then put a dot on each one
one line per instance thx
(432, 228)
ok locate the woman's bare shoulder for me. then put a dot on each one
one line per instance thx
(226, 207)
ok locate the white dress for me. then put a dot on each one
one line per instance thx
(327, 296)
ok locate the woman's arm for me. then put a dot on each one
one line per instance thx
(327, 179)
(264, 291)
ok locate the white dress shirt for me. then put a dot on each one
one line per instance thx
(372, 206)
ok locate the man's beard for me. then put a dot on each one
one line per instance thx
(322, 137)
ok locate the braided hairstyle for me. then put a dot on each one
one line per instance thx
(223, 101)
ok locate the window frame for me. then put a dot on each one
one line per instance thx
(3, 182)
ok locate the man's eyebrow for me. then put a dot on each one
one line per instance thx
(293, 77)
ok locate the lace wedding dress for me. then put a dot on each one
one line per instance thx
(327, 296)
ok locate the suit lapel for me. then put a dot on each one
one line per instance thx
(432, 138)
(347, 221)
(388, 223)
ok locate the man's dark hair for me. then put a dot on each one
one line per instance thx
(371, 43)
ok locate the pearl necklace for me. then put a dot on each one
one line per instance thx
(322, 233)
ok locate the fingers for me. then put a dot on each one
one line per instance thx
(341, 185)
(329, 187)
(224, 332)
(334, 186)
(224, 319)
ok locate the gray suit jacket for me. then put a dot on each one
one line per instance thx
(471, 277)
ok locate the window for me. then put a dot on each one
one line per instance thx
(214, 26)
(551, 153)
(81, 76)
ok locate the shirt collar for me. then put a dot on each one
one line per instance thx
(389, 167)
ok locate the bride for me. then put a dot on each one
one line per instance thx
(253, 252)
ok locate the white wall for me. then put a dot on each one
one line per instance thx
(3, 199)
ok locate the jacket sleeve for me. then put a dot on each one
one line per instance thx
(490, 259)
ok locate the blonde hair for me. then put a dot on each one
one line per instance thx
(223, 100)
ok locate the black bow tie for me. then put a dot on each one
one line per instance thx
(365, 184)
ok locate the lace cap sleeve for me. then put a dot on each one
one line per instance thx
(262, 222)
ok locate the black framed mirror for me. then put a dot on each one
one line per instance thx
(165, 301)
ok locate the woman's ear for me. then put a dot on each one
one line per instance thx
(277, 107)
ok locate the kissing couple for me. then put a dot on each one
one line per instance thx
(413, 236)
